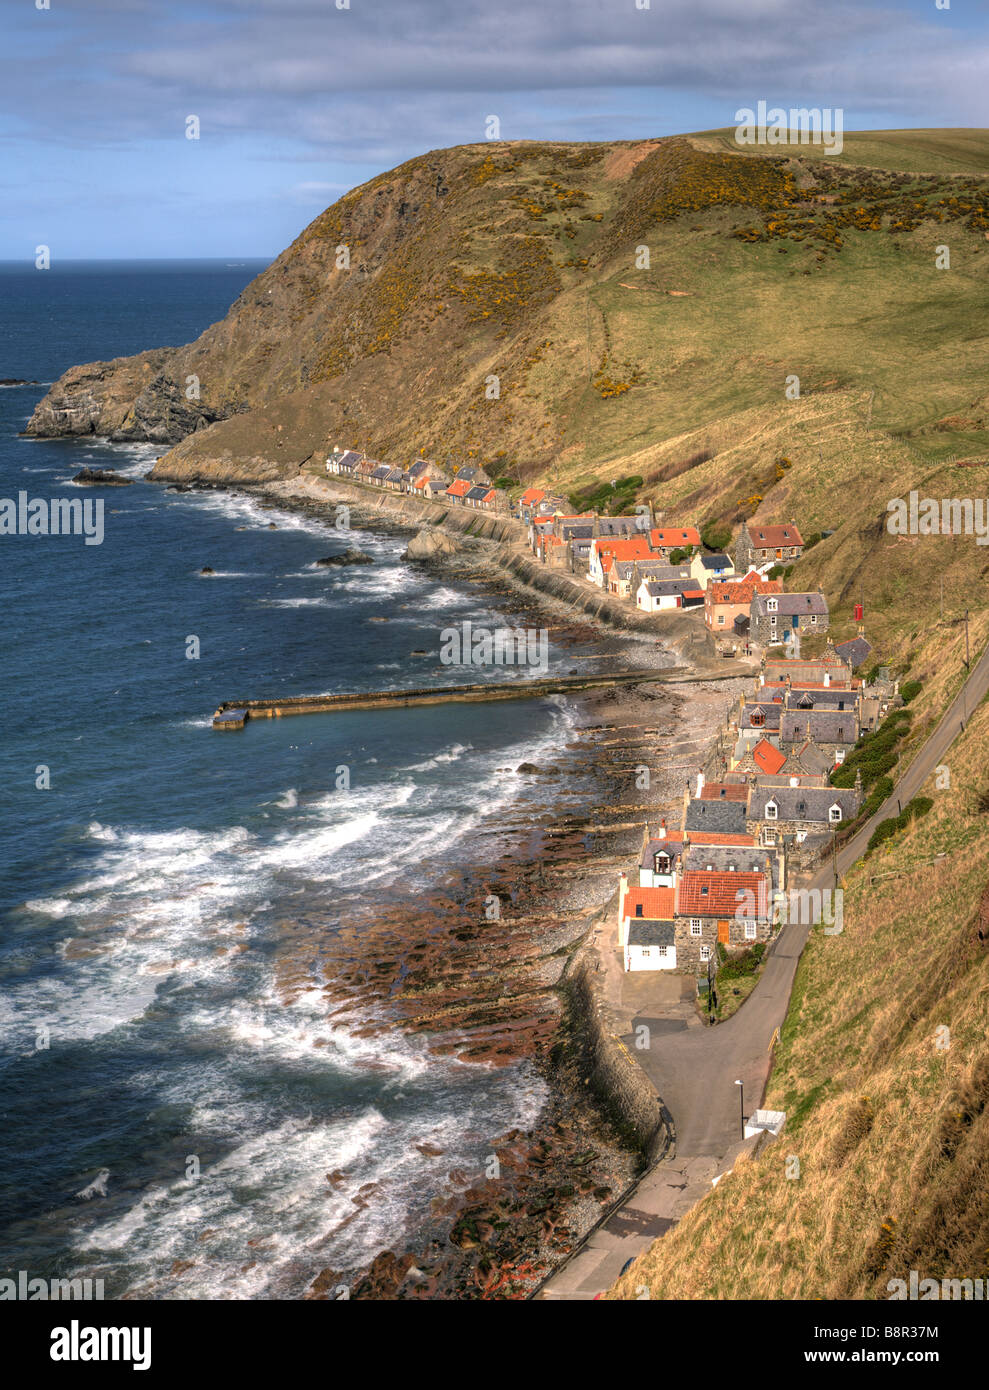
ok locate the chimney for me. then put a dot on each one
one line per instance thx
(794, 781)
(827, 676)
(700, 784)
(661, 833)
(686, 803)
(622, 892)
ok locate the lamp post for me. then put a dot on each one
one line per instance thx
(741, 1105)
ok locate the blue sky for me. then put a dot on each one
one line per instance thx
(299, 100)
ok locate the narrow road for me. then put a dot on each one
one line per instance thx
(695, 1069)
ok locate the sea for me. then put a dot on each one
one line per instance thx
(167, 1119)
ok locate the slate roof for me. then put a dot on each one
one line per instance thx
(660, 570)
(726, 817)
(382, 471)
(478, 494)
(854, 651)
(747, 859)
(671, 845)
(836, 697)
(810, 804)
(716, 562)
(657, 588)
(819, 726)
(620, 525)
(790, 605)
(771, 715)
(644, 931)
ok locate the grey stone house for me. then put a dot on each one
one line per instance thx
(772, 616)
(756, 546)
(799, 811)
(828, 728)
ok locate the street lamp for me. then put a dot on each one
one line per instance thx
(741, 1105)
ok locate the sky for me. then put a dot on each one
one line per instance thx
(297, 101)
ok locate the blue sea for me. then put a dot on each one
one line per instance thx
(147, 892)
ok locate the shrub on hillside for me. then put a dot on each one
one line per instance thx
(883, 832)
(716, 536)
(910, 691)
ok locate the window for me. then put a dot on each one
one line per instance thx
(771, 810)
(813, 617)
(772, 605)
(695, 926)
(645, 950)
(834, 814)
(705, 953)
(662, 950)
(750, 931)
(721, 620)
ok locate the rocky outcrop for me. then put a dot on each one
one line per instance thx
(101, 477)
(350, 556)
(427, 545)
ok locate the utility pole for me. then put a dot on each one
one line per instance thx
(741, 1105)
(966, 640)
(834, 856)
(942, 598)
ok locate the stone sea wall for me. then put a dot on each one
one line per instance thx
(621, 1087)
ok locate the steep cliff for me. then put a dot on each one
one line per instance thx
(566, 310)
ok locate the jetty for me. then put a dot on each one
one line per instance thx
(234, 714)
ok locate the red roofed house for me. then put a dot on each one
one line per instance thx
(605, 550)
(645, 927)
(759, 546)
(458, 490)
(529, 501)
(719, 906)
(665, 539)
(767, 757)
(728, 599)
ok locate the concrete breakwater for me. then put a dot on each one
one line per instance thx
(233, 714)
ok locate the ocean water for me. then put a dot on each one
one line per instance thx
(145, 894)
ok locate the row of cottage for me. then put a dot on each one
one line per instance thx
(656, 567)
(721, 878)
(470, 488)
(666, 567)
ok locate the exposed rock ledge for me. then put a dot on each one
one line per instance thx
(426, 545)
(128, 399)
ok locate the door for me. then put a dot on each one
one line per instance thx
(723, 932)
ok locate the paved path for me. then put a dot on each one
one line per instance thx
(694, 1068)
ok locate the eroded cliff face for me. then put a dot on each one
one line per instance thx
(385, 319)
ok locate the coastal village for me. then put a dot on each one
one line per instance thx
(765, 807)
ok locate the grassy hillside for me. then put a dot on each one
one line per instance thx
(576, 313)
(886, 1111)
(520, 261)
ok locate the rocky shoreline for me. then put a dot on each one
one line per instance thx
(429, 970)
